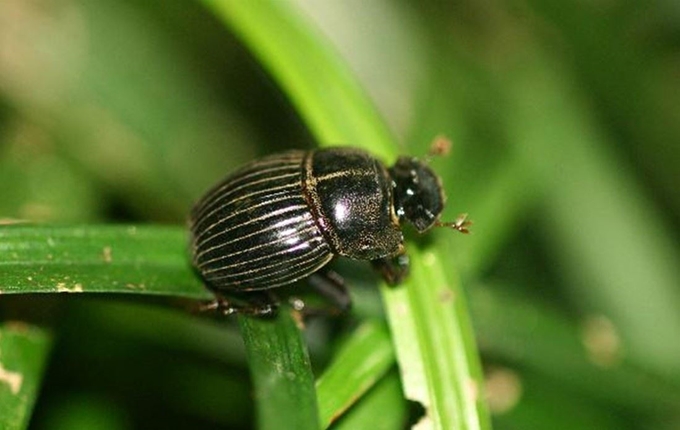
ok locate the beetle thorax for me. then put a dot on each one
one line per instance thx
(351, 195)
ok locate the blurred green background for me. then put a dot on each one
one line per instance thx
(565, 123)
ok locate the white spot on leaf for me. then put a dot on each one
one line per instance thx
(62, 288)
(13, 379)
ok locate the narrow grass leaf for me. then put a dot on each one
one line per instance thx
(443, 370)
(610, 242)
(519, 330)
(281, 371)
(363, 359)
(24, 349)
(382, 408)
(150, 260)
(315, 78)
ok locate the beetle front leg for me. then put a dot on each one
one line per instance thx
(394, 268)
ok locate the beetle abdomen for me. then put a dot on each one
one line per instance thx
(254, 230)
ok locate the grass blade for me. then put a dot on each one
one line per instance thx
(386, 398)
(24, 350)
(512, 326)
(103, 259)
(439, 368)
(610, 242)
(314, 77)
(363, 359)
(279, 364)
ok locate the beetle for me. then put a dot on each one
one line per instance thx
(284, 217)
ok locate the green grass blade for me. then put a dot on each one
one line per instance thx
(444, 377)
(611, 243)
(434, 343)
(103, 259)
(382, 408)
(364, 358)
(515, 328)
(24, 350)
(314, 77)
(279, 364)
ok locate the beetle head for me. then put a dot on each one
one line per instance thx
(418, 194)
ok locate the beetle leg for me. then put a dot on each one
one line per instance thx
(394, 268)
(258, 303)
(332, 288)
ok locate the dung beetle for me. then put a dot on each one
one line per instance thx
(283, 217)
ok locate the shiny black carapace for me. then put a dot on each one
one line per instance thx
(283, 217)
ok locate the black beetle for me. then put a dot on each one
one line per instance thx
(283, 217)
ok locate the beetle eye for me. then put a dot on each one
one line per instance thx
(418, 195)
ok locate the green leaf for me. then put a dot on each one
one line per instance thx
(314, 76)
(610, 242)
(434, 343)
(363, 359)
(517, 329)
(103, 259)
(382, 408)
(546, 404)
(141, 125)
(280, 367)
(440, 369)
(24, 349)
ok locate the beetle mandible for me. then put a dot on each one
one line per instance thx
(283, 217)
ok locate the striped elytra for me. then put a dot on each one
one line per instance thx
(254, 230)
(283, 217)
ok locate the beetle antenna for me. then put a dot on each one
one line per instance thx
(461, 224)
(440, 147)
